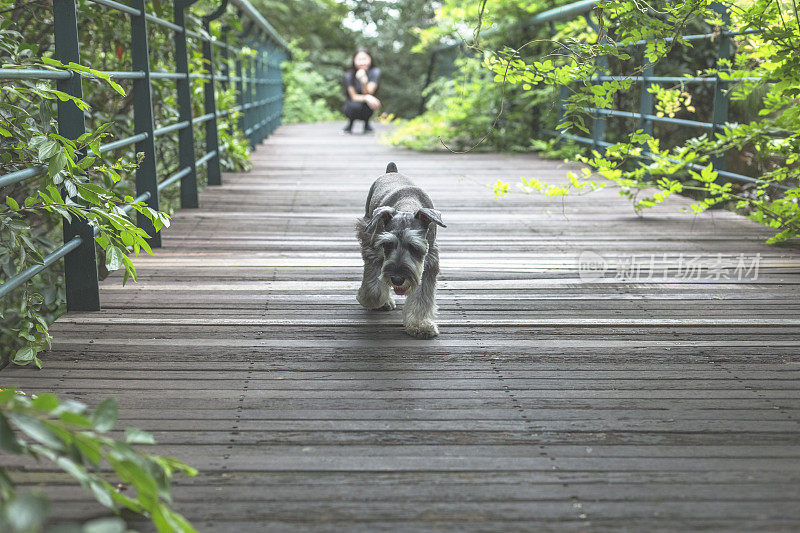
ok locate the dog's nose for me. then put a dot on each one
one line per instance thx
(397, 281)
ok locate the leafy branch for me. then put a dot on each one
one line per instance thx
(74, 438)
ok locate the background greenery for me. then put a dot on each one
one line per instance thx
(501, 94)
(99, 187)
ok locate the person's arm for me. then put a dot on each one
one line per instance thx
(372, 81)
(368, 99)
(354, 96)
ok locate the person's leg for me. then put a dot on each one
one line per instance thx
(352, 110)
(365, 114)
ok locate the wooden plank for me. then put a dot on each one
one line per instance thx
(550, 400)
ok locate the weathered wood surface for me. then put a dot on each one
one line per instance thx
(550, 401)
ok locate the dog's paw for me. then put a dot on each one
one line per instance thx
(422, 330)
(388, 306)
(368, 300)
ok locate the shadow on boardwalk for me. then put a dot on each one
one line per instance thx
(553, 398)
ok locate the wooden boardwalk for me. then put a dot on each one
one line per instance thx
(556, 398)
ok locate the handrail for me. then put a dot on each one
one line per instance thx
(251, 12)
(646, 114)
(260, 101)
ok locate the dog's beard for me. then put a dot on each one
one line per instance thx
(402, 289)
(411, 276)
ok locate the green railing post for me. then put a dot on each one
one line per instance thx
(269, 90)
(184, 88)
(276, 87)
(213, 170)
(239, 69)
(599, 120)
(266, 72)
(646, 98)
(80, 266)
(252, 87)
(258, 110)
(147, 172)
(428, 75)
(719, 114)
(563, 92)
(225, 59)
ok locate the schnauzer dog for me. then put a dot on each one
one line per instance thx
(398, 244)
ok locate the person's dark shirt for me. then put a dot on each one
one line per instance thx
(350, 80)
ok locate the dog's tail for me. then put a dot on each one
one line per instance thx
(391, 167)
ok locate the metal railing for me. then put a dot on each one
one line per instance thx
(646, 115)
(260, 100)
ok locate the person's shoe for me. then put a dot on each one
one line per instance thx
(368, 129)
(347, 129)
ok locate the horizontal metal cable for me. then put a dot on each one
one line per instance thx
(28, 273)
(21, 175)
(127, 141)
(695, 37)
(203, 160)
(124, 75)
(229, 111)
(261, 102)
(631, 114)
(161, 75)
(258, 81)
(203, 118)
(650, 155)
(673, 79)
(197, 35)
(175, 177)
(260, 125)
(171, 127)
(33, 74)
(141, 198)
(119, 7)
(161, 22)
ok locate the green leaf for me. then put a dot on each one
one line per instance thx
(75, 419)
(45, 401)
(89, 447)
(37, 430)
(48, 149)
(113, 258)
(102, 494)
(145, 484)
(12, 203)
(26, 512)
(138, 436)
(7, 439)
(105, 416)
(57, 163)
(6, 486)
(105, 525)
(23, 356)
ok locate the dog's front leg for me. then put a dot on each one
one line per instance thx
(419, 311)
(374, 292)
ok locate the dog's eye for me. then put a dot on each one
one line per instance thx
(388, 246)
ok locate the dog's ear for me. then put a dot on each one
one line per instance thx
(428, 215)
(380, 216)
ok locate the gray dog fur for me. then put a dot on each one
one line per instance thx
(398, 245)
